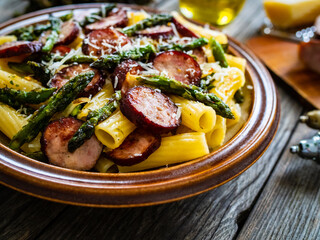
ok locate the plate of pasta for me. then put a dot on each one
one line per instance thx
(118, 106)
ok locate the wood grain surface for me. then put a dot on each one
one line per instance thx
(288, 66)
(277, 198)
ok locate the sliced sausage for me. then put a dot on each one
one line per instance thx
(184, 31)
(119, 75)
(65, 74)
(17, 48)
(115, 19)
(150, 109)
(137, 147)
(106, 41)
(309, 54)
(178, 65)
(54, 144)
(156, 32)
(68, 33)
(61, 50)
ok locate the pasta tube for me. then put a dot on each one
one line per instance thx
(173, 149)
(103, 165)
(195, 115)
(98, 101)
(236, 110)
(230, 81)
(8, 38)
(16, 82)
(11, 122)
(135, 17)
(216, 137)
(237, 62)
(114, 130)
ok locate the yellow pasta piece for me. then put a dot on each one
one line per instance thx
(173, 149)
(8, 38)
(114, 130)
(216, 137)
(103, 165)
(236, 110)
(237, 62)
(232, 79)
(11, 122)
(77, 43)
(16, 82)
(195, 115)
(203, 32)
(98, 101)
(208, 68)
(135, 17)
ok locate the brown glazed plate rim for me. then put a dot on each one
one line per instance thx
(155, 186)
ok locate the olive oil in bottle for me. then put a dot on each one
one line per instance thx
(216, 12)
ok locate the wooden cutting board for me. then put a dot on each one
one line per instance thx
(281, 57)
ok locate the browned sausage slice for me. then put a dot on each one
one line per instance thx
(119, 74)
(68, 33)
(309, 53)
(115, 19)
(156, 32)
(178, 65)
(150, 109)
(17, 48)
(54, 144)
(106, 41)
(61, 50)
(184, 31)
(65, 74)
(137, 147)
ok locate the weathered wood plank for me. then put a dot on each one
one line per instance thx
(289, 207)
(24, 217)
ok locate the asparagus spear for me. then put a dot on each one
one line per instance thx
(66, 17)
(218, 53)
(239, 96)
(110, 61)
(38, 70)
(205, 82)
(190, 92)
(76, 110)
(94, 117)
(15, 104)
(32, 97)
(154, 20)
(56, 103)
(104, 11)
(54, 35)
(199, 42)
(31, 33)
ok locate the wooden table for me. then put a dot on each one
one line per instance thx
(277, 198)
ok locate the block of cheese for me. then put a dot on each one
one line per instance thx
(292, 13)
